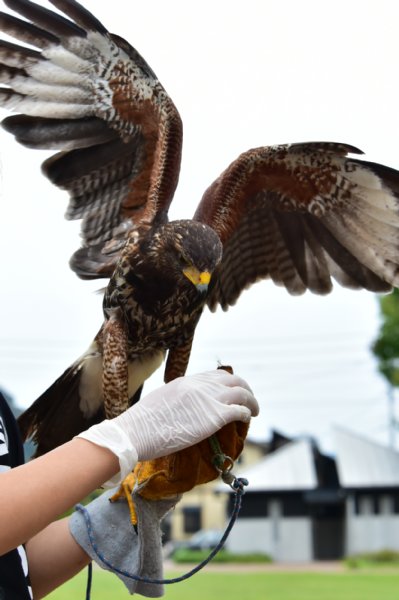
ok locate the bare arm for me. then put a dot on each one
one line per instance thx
(43, 489)
(177, 415)
(34, 495)
(54, 557)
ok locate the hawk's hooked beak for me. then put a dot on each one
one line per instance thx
(200, 279)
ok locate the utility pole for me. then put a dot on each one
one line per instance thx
(392, 422)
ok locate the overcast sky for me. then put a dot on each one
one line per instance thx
(242, 75)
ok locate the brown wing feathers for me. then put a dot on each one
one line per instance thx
(25, 32)
(45, 18)
(80, 15)
(120, 142)
(55, 134)
(300, 215)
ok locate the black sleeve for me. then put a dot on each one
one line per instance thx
(15, 448)
(14, 578)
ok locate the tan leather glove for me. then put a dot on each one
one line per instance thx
(179, 472)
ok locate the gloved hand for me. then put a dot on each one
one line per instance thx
(173, 417)
(137, 552)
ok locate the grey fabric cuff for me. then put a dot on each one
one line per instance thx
(117, 541)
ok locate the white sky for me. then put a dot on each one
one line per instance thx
(242, 75)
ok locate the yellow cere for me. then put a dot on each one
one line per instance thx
(196, 277)
(204, 278)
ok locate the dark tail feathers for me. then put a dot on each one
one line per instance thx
(55, 417)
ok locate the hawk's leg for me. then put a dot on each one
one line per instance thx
(177, 361)
(115, 366)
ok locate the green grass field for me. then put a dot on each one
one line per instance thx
(375, 585)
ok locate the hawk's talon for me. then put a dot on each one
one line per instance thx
(125, 493)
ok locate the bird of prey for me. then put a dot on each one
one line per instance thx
(299, 214)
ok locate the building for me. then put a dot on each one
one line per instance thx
(369, 474)
(202, 508)
(302, 505)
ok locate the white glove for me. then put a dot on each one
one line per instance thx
(180, 414)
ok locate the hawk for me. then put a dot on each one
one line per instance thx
(299, 214)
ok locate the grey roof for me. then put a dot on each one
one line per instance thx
(363, 463)
(289, 468)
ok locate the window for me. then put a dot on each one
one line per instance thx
(254, 504)
(386, 504)
(294, 506)
(191, 519)
(367, 504)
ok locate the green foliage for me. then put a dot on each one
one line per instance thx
(185, 555)
(92, 496)
(386, 346)
(385, 557)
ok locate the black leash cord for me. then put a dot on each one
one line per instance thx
(238, 485)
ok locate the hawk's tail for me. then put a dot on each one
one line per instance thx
(75, 400)
(57, 415)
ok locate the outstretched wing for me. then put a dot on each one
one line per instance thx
(90, 95)
(301, 214)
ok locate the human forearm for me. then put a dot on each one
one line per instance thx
(43, 489)
(180, 414)
(54, 557)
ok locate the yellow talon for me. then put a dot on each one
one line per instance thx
(125, 493)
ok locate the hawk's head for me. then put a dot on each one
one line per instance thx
(187, 250)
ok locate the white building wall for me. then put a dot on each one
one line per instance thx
(251, 535)
(284, 539)
(368, 532)
(372, 533)
(295, 540)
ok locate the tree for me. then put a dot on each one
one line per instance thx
(386, 346)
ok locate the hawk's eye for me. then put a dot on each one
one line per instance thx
(184, 263)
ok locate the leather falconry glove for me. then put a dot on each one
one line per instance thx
(173, 417)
